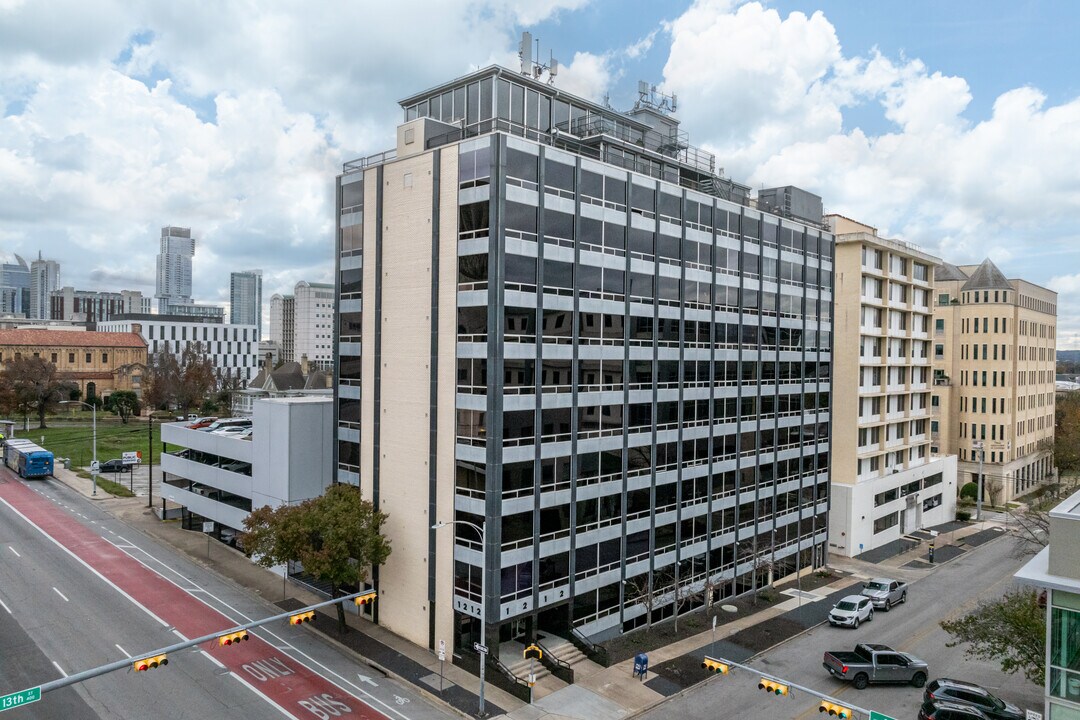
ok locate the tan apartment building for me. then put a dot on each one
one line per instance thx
(887, 481)
(994, 364)
(97, 362)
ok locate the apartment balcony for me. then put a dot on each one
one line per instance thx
(942, 382)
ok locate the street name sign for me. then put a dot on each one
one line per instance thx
(18, 699)
(879, 716)
(482, 649)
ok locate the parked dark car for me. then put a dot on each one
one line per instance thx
(115, 466)
(950, 711)
(965, 693)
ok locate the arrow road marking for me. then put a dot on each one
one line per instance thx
(366, 679)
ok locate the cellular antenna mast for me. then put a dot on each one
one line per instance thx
(650, 97)
(531, 67)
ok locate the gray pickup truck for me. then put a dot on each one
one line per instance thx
(884, 592)
(875, 664)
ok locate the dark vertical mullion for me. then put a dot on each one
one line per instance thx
(376, 394)
(680, 407)
(831, 349)
(495, 346)
(575, 339)
(710, 448)
(335, 335)
(538, 381)
(624, 464)
(433, 394)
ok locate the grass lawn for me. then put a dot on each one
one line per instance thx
(113, 488)
(71, 436)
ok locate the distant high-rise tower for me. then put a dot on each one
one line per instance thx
(174, 267)
(283, 325)
(44, 278)
(15, 287)
(245, 298)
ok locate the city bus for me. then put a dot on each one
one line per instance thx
(27, 459)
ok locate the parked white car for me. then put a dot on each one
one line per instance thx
(851, 611)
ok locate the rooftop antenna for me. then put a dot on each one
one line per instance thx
(532, 68)
(650, 97)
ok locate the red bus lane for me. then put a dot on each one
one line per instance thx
(285, 682)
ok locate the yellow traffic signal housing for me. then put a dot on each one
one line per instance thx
(368, 597)
(533, 651)
(301, 618)
(149, 663)
(714, 665)
(833, 709)
(231, 638)
(772, 686)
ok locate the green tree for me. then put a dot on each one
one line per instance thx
(1011, 630)
(31, 385)
(124, 403)
(1066, 443)
(336, 537)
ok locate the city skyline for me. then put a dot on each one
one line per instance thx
(886, 118)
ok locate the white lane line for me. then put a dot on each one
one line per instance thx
(14, 551)
(85, 564)
(57, 665)
(180, 635)
(61, 594)
(212, 659)
(356, 691)
(126, 653)
(255, 690)
(5, 607)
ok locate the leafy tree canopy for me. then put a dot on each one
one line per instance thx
(1011, 630)
(31, 385)
(336, 537)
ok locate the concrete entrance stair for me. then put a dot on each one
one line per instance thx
(569, 653)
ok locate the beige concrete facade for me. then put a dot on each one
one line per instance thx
(406, 283)
(886, 481)
(994, 364)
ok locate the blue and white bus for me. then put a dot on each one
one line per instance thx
(27, 459)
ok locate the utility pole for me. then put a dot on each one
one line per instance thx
(979, 498)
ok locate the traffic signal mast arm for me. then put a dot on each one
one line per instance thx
(822, 697)
(126, 663)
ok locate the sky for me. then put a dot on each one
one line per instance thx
(951, 125)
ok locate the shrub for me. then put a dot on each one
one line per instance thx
(969, 490)
(963, 515)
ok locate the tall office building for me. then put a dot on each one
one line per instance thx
(886, 482)
(44, 279)
(303, 323)
(15, 287)
(245, 298)
(283, 325)
(994, 363)
(174, 267)
(576, 335)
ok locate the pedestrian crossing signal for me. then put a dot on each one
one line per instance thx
(771, 686)
(366, 598)
(834, 710)
(232, 638)
(301, 618)
(149, 663)
(534, 652)
(714, 665)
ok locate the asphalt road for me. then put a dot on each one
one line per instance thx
(950, 591)
(80, 589)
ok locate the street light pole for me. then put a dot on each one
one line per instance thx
(979, 497)
(93, 410)
(483, 596)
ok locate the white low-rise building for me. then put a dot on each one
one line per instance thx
(233, 349)
(221, 479)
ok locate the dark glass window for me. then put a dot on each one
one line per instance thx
(520, 269)
(502, 100)
(558, 274)
(351, 367)
(557, 175)
(351, 323)
(351, 281)
(473, 268)
(474, 217)
(485, 99)
(521, 165)
(352, 195)
(558, 225)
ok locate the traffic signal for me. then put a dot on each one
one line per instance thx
(301, 618)
(771, 686)
(534, 652)
(231, 638)
(149, 663)
(368, 597)
(833, 709)
(714, 665)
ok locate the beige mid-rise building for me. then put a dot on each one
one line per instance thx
(887, 480)
(994, 363)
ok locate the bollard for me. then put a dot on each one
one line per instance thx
(931, 551)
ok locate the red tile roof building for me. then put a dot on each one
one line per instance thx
(98, 362)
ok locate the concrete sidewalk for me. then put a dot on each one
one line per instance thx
(606, 694)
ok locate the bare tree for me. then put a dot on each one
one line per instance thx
(1033, 531)
(639, 589)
